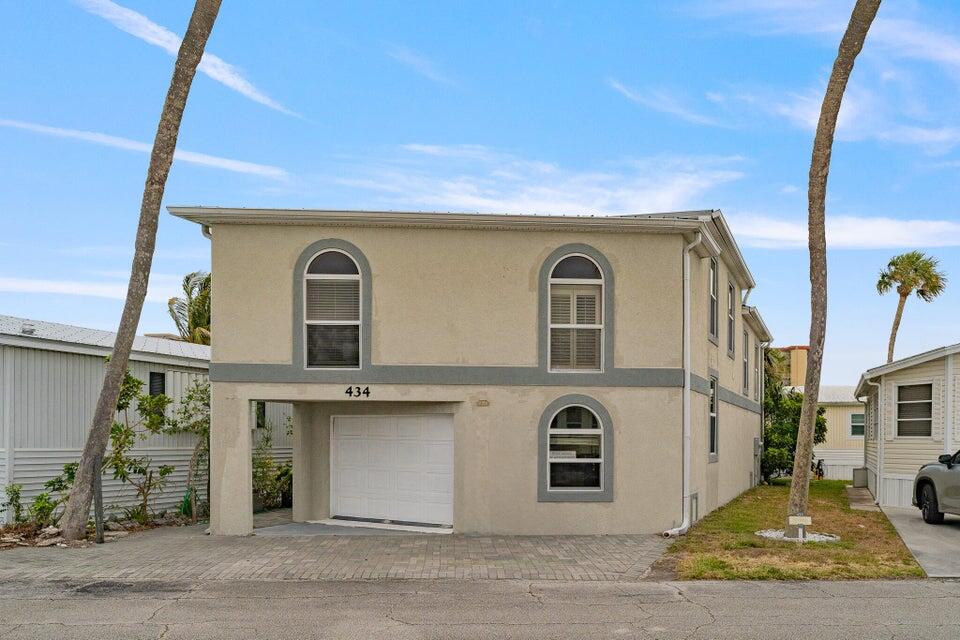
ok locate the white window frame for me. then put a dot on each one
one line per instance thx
(850, 433)
(359, 321)
(551, 460)
(713, 304)
(603, 313)
(756, 369)
(731, 321)
(897, 403)
(713, 419)
(746, 363)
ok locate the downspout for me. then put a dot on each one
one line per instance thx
(687, 377)
(881, 436)
(948, 409)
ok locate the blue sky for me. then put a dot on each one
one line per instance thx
(562, 107)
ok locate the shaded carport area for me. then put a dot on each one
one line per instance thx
(936, 547)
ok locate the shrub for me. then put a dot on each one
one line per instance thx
(13, 502)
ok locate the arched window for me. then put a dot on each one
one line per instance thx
(576, 315)
(575, 450)
(331, 311)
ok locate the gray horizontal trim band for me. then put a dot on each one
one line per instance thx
(430, 374)
(699, 384)
(702, 385)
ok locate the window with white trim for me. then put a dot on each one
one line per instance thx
(915, 410)
(756, 371)
(576, 315)
(714, 299)
(746, 363)
(714, 434)
(857, 425)
(331, 311)
(575, 450)
(731, 322)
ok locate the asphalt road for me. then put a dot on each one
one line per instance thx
(499, 609)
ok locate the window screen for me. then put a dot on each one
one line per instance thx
(915, 410)
(857, 424)
(158, 383)
(332, 311)
(575, 451)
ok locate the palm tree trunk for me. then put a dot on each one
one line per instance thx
(896, 326)
(74, 521)
(850, 46)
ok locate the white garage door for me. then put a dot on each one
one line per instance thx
(397, 468)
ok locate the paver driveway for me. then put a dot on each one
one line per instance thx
(182, 553)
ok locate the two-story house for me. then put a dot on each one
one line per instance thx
(513, 374)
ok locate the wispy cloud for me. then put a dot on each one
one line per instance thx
(156, 292)
(420, 63)
(140, 26)
(662, 101)
(478, 178)
(192, 157)
(846, 232)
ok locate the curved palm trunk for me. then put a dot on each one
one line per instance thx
(896, 326)
(74, 520)
(850, 46)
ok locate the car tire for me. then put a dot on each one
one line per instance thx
(929, 506)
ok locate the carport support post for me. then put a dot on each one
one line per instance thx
(231, 465)
(303, 471)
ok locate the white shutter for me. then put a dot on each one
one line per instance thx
(939, 401)
(587, 309)
(333, 300)
(587, 349)
(561, 348)
(890, 410)
(559, 307)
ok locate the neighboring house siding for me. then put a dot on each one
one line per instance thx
(841, 453)
(48, 400)
(905, 455)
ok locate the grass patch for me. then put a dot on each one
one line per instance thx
(723, 545)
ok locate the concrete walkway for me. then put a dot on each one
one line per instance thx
(297, 553)
(485, 609)
(936, 547)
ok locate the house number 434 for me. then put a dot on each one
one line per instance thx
(357, 392)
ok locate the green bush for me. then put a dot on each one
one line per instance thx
(13, 502)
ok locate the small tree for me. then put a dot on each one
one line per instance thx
(193, 417)
(911, 272)
(150, 419)
(780, 434)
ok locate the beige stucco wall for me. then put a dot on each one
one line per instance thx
(705, 354)
(444, 297)
(466, 297)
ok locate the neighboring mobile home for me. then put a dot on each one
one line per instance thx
(515, 374)
(911, 419)
(842, 452)
(50, 378)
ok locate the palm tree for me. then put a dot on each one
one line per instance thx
(191, 313)
(74, 520)
(850, 46)
(910, 272)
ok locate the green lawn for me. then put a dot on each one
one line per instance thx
(723, 544)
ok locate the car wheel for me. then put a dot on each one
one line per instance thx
(929, 506)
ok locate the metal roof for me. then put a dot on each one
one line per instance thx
(834, 394)
(64, 337)
(709, 221)
(903, 363)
